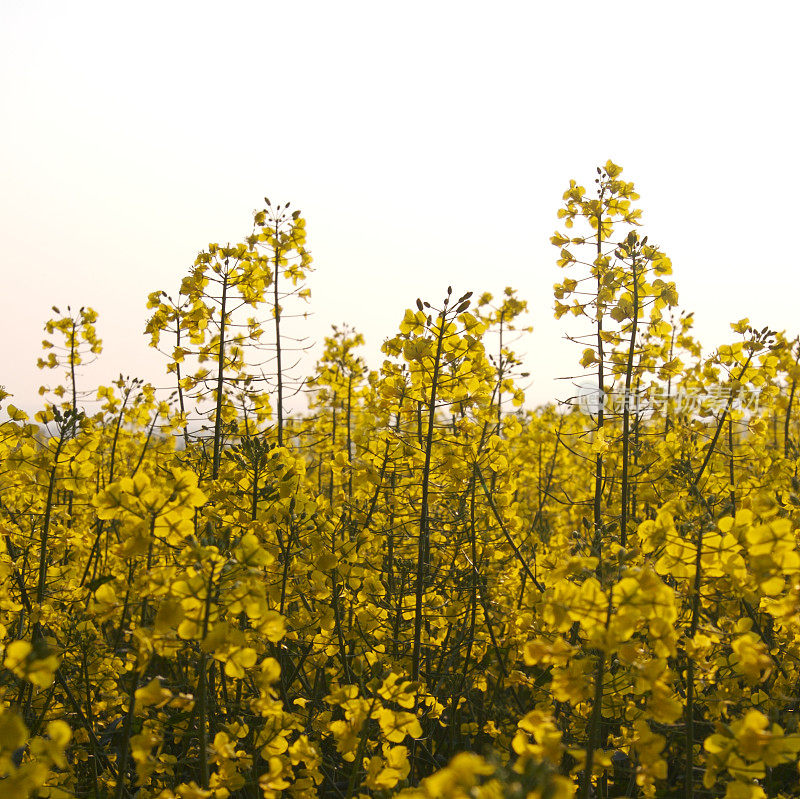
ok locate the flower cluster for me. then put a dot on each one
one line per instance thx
(415, 586)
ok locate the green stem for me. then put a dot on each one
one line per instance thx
(48, 511)
(220, 378)
(423, 551)
(626, 411)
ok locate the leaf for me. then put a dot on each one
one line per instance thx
(93, 585)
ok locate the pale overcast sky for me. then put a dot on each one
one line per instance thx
(427, 144)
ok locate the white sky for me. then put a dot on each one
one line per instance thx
(426, 144)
